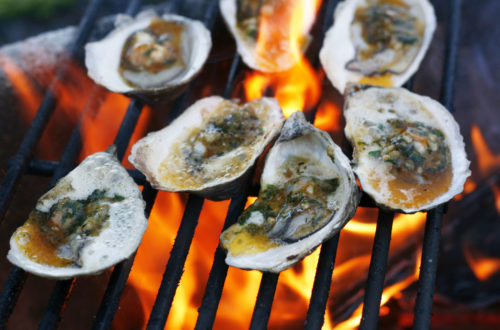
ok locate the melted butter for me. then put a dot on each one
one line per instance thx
(240, 242)
(384, 80)
(44, 233)
(34, 245)
(405, 193)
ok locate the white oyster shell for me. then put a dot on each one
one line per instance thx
(115, 242)
(166, 156)
(275, 249)
(368, 111)
(102, 58)
(339, 46)
(277, 61)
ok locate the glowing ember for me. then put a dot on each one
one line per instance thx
(496, 192)
(487, 160)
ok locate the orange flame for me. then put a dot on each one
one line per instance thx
(328, 117)
(487, 160)
(71, 93)
(283, 28)
(298, 88)
(483, 267)
(391, 291)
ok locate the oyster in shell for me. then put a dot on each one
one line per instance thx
(210, 148)
(408, 150)
(92, 219)
(378, 42)
(308, 193)
(149, 57)
(261, 29)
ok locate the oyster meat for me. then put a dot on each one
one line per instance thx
(92, 219)
(209, 149)
(408, 150)
(308, 193)
(378, 42)
(150, 56)
(262, 30)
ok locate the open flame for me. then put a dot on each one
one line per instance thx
(483, 266)
(71, 92)
(487, 160)
(298, 88)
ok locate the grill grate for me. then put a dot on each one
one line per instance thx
(22, 163)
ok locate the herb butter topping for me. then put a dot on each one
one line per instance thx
(308, 192)
(408, 151)
(55, 237)
(90, 220)
(220, 146)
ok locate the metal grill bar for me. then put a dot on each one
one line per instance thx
(56, 304)
(378, 267)
(265, 298)
(62, 290)
(218, 272)
(119, 277)
(430, 251)
(19, 162)
(173, 273)
(321, 289)
(17, 276)
(175, 265)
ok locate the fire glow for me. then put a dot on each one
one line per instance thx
(296, 89)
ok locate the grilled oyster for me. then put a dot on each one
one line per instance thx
(308, 193)
(408, 150)
(92, 219)
(268, 22)
(210, 148)
(149, 57)
(382, 41)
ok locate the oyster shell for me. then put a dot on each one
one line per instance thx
(149, 57)
(378, 42)
(92, 219)
(210, 148)
(246, 18)
(308, 193)
(408, 150)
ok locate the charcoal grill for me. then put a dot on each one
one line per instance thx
(22, 163)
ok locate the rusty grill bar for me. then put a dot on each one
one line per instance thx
(22, 163)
